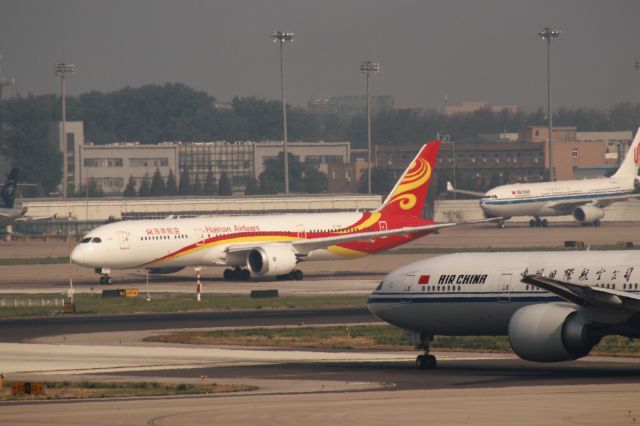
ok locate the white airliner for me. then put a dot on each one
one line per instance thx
(553, 306)
(266, 245)
(583, 199)
(8, 213)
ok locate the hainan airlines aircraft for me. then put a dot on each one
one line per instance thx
(265, 245)
(553, 306)
(583, 199)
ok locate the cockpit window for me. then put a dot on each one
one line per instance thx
(96, 240)
(380, 285)
(85, 240)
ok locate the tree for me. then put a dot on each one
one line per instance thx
(252, 186)
(210, 186)
(130, 189)
(272, 178)
(382, 181)
(158, 188)
(314, 180)
(145, 189)
(172, 185)
(197, 186)
(94, 189)
(185, 188)
(224, 188)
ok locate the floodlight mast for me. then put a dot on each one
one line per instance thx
(62, 70)
(547, 34)
(367, 68)
(5, 80)
(282, 37)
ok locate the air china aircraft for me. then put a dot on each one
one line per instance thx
(265, 245)
(553, 306)
(583, 199)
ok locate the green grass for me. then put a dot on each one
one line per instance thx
(165, 302)
(33, 261)
(90, 389)
(368, 337)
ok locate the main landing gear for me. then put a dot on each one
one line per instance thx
(295, 275)
(105, 277)
(537, 222)
(426, 361)
(237, 274)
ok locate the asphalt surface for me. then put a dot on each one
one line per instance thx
(15, 330)
(450, 373)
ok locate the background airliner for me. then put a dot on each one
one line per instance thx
(554, 306)
(8, 213)
(583, 199)
(265, 245)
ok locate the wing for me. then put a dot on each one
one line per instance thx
(304, 246)
(598, 202)
(585, 295)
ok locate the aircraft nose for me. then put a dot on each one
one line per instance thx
(79, 256)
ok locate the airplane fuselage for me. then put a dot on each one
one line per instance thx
(553, 198)
(478, 293)
(204, 241)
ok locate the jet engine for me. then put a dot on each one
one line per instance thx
(160, 271)
(551, 332)
(271, 260)
(588, 213)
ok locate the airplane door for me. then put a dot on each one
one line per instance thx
(407, 284)
(302, 233)
(504, 288)
(199, 236)
(383, 226)
(123, 239)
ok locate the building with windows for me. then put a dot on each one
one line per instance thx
(236, 159)
(111, 166)
(323, 153)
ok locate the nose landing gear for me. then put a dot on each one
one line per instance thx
(425, 361)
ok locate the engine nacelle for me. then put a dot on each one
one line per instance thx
(551, 332)
(160, 271)
(588, 213)
(271, 260)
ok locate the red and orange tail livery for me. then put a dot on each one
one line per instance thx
(410, 192)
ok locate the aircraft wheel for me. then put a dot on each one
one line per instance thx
(281, 277)
(104, 280)
(426, 362)
(227, 274)
(297, 274)
(245, 275)
(532, 223)
(545, 223)
(596, 223)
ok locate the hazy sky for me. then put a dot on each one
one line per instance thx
(468, 49)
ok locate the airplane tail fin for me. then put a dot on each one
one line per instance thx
(8, 192)
(631, 162)
(410, 192)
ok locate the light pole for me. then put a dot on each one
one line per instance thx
(367, 68)
(279, 36)
(5, 80)
(548, 34)
(62, 70)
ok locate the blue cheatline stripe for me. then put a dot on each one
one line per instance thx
(528, 299)
(506, 201)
